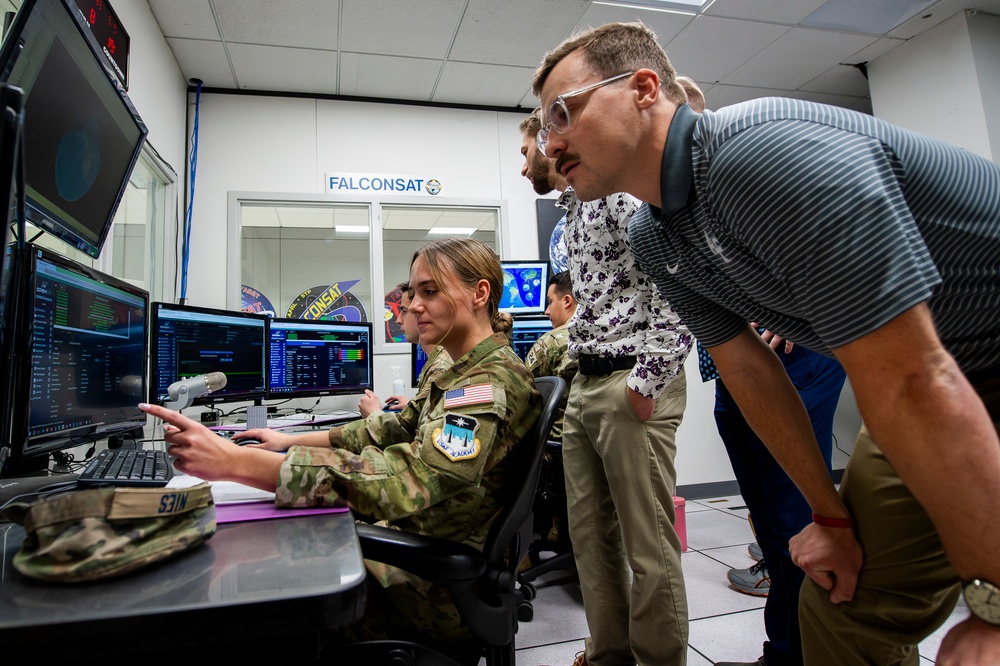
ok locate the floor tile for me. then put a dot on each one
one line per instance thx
(558, 617)
(929, 646)
(715, 529)
(708, 590)
(733, 637)
(732, 556)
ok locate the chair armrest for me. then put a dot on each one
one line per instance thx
(430, 558)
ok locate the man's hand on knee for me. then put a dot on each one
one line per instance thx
(831, 556)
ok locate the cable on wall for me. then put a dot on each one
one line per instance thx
(186, 248)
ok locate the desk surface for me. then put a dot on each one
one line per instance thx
(250, 580)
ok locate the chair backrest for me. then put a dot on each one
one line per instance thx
(517, 511)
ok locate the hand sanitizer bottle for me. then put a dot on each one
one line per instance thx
(397, 382)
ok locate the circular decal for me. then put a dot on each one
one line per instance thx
(252, 300)
(393, 301)
(433, 186)
(328, 301)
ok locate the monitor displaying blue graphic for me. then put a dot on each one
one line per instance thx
(417, 361)
(526, 332)
(525, 284)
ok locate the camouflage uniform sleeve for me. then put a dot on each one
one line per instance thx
(400, 479)
(379, 429)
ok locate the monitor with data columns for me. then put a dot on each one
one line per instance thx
(188, 341)
(79, 364)
(525, 284)
(82, 134)
(315, 357)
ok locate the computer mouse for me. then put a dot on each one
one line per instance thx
(247, 440)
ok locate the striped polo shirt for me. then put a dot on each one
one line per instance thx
(822, 224)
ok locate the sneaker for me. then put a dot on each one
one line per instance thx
(580, 659)
(759, 662)
(755, 551)
(753, 581)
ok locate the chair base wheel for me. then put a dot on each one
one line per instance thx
(525, 613)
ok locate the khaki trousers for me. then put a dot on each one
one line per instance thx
(620, 481)
(907, 587)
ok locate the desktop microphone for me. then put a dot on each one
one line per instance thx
(183, 392)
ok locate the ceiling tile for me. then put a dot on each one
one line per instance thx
(494, 85)
(422, 29)
(797, 57)
(840, 79)
(723, 95)
(514, 32)
(874, 50)
(788, 12)
(297, 23)
(825, 98)
(391, 77)
(710, 48)
(666, 25)
(203, 60)
(191, 19)
(282, 69)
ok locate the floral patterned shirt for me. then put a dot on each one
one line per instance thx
(619, 311)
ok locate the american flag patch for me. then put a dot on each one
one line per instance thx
(476, 394)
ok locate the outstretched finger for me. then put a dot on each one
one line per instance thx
(168, 416)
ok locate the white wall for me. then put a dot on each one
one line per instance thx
(156, 85)
(943, 83)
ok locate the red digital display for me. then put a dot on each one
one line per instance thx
(110, 34)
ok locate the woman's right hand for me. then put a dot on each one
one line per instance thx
(270, 440)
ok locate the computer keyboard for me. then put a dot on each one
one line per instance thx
(128, 467)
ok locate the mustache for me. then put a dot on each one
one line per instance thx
(563, 159)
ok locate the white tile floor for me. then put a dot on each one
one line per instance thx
(725, 625)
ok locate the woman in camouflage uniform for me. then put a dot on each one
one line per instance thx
(436, 468)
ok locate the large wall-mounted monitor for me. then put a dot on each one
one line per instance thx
(525, 284)
(314, 357)
(526, 332)
(82, 133)
(80, 359)
(188, 341)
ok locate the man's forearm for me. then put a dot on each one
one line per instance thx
(759, 384)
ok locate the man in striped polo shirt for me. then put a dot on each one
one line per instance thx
(856, 239)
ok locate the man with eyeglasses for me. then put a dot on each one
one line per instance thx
(624, 407)
(859, 240)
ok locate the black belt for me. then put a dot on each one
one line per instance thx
(599, 365)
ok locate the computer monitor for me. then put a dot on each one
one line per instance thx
(526, 332)
(525, 284)
(418, 359)
(188, 341)
(311, 358)
(82, 133)
(80, 357)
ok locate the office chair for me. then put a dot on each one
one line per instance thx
(550, 501)
(483, 584)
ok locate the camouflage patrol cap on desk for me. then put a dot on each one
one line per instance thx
(102, 532)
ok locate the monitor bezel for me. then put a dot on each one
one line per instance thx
(530, 321)
(415, 351)
(317, 393)
(546, 270)
(36, 211)
(217, 397)
(23, 445)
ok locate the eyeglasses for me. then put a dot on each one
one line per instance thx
(559, 119)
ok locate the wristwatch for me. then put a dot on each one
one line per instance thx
(983, 599)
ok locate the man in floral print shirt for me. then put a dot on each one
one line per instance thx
(618, 439)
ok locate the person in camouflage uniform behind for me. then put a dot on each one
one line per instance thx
(548, 357)
(440, 467)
